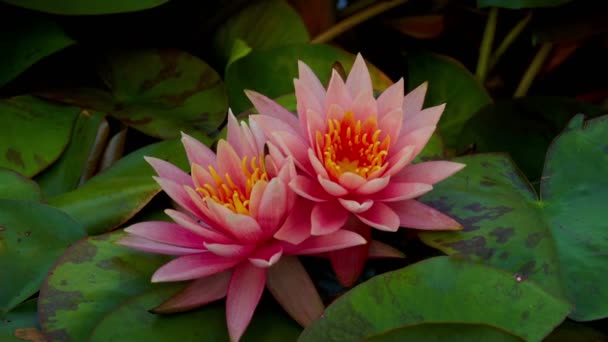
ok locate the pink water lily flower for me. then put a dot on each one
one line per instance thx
(235, 231)
(354, 154)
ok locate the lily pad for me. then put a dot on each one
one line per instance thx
(109, 199)
(455, 332)
(26, 42)
(557, 240)
(22, 321)
(451, 83)
(77, 7)
(276, 68)
(92, 278)
(65, 174)
(15, 186)
(519, 4)
(276, 24)
(32, 237)
(440, 290)
(132, 322)
(25, 121)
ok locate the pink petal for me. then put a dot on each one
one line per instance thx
(331, 187)
(378, 249)
(256, 196)
(198, 293)
(143, 244)
(267, 255)
(229, 162)
(380, 216)
(244, 228)
(270, 124)
(402, 191)
(178, 193)
(293, 145)
(337, 93)
(291, 286)
(413, 214)
(308, 189)
(255, 135)
(364, 106)
(413, 101)
(317, 166)
(315, 123)
(306, 100)
(348, 263)
(296, 227)
(272, 209)
(427, 117)
(351, 181)
(197, 152)
(334, 112)
(233, 251)
(358, 80)
(244, 292)
(193, 266)
(236, 138)
(337, 240)
(200, 176)
(373, 186)
(399, 160)
(390, 124)
(356, 207)
(197, 227)
(430, 172)
(308, 78)
(166, 232)
(169, 171)
(390, 99)
(327, 217)
(266, 106)
(417, 138)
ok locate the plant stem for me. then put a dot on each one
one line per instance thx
(356, 19)
(486, 45)
(508, 41)
(533, 70)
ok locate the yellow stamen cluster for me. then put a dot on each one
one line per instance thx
(353, 146)
(226, 192)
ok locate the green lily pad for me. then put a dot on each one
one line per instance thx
(109, 199)
(20, 322)
(132, 322)
(163, 92)
(556, 240)
(276, 68)
(524, 128)
(65, 174)
(451, 83)
(28, 41)
(456, 332)
(32, 236)
(276, 24)
(92, 278)
(519, 4)
(25, 122)
(440, 290)
(15, 186)
(77, 7)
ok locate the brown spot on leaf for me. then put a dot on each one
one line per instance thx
(475, 246)
(527, 268)
(2, 228)
(489, 213)
(533, 239)
(502, 234)
(84, 253)
(54, 301)
(14, 157)
(169, 60)
(28, 233)
(29, 334)
(39, 160)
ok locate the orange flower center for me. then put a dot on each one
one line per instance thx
(231, 195)
(352, 146)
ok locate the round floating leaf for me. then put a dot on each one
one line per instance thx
(32, 237)
(163, 92)
(26, 42)
(15, 186)
(518, 4)
(275, 69)
(132, 322)
(65, 174)
(441, 290)
(455, 332)
(77, 7)
(109, 199)
(276, 23)
(451, 83)
(20, 323)
(92, 278)
(25, 122)
(557, 241)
